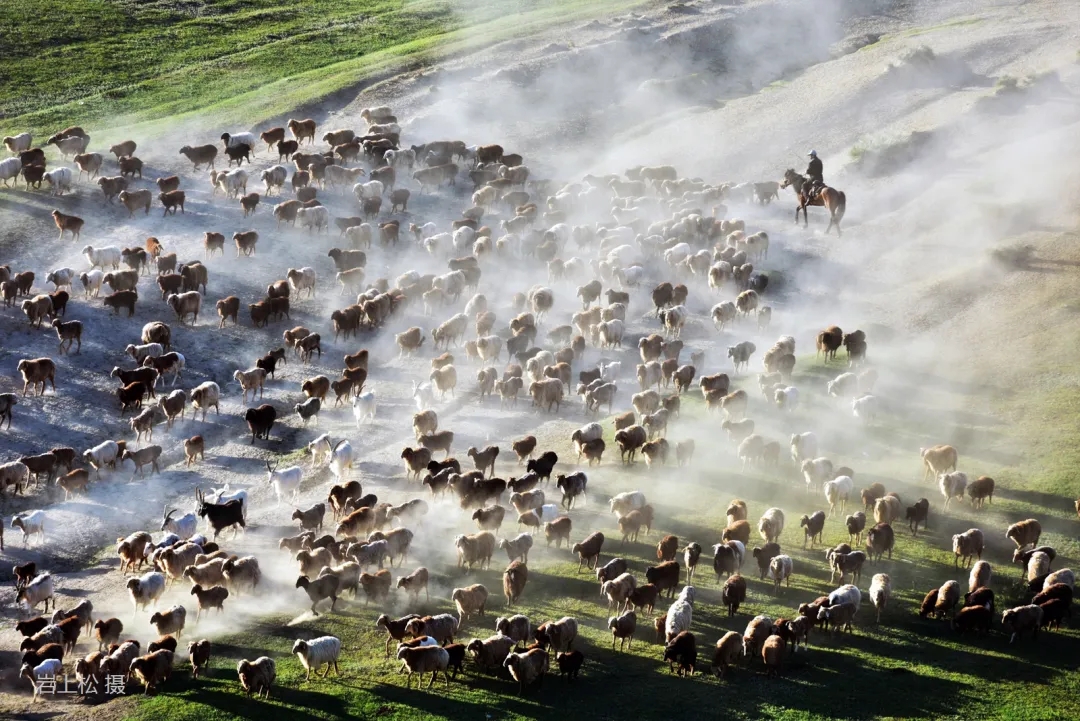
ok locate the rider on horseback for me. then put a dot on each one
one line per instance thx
(814, 171)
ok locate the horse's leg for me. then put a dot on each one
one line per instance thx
(797, 212)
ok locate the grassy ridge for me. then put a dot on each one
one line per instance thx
(95, 60)
(906, 667)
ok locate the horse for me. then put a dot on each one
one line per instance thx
(832, 199)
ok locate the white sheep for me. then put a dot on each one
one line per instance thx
(274, 177)
(611, 333)
(880, 591)
(316, 652)
(9, 169)
(952, 486)
(680, 613)
(60, 180)
(91, 282)
(786, 399)
(61, 277)
(838, 490)
(107, 257)
(233, 140)
(146, 589)
(48, 670)
(618, 589)
(370, 189)
(866, 408)
(804, 447)
(817, 472)
(19, 143)
(232, 182)
(846, 594)
(141, 352)
(316, 218)
(626, 502)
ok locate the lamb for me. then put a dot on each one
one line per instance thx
(1025, 533)
(257, 676)
(316, 652)
(108, 632)
(966, 545)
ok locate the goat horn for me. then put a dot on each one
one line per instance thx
(337, 444)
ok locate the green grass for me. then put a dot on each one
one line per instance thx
(904, 667)
(96, 62)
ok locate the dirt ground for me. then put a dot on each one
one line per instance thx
(912, 264)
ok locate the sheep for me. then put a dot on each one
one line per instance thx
(470, 600)
(1016, 621)
(938, 460)
(323, 587)
(680, 614)
(170, 621)
(257, 676)
(442, 627)
(967, 544)
(476, 549)
(952, 485)
(492, 651)
(1038, 566)
(813, 526)
(780, 569)
(1024, 533)
(517, 547)
(771, 525)
(558, 635)
(838, 490)
(48, 670)
(316, 652)
(682, 650)
(525, 668)
(887, 509)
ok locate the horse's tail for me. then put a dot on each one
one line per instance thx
(841, 205)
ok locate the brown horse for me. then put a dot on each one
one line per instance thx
(832, 199)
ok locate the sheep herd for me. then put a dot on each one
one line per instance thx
(649, 242)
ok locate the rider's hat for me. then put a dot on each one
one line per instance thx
(812, 154)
